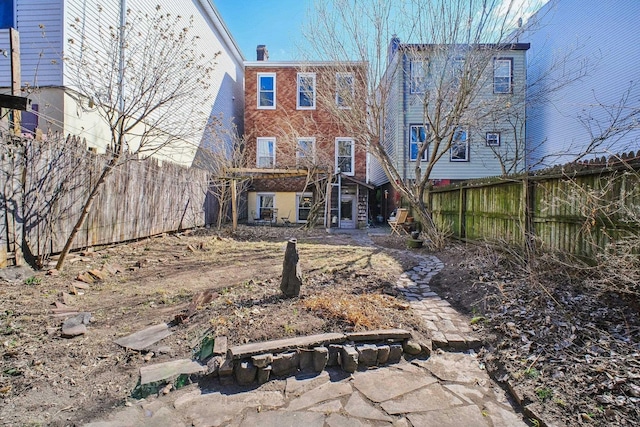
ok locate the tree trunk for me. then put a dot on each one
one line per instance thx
(291, 274)
(86, 208)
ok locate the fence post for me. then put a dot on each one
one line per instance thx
(461, 212)
(527, 214)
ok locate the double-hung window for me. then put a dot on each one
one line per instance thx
(417, 138)
(460, 146)
(502, 75)
(306, 91)
(266, 152)
(304, 204)
(267, 91)
(344, 90)
(345, 159)
(306, 151)
(419, 75)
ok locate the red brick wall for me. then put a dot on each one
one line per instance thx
(286, 123)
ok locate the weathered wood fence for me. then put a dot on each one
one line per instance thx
(578, 209)
(44, 184)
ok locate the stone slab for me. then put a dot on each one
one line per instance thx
(455, 367)
(452, 417)
(431, 398)
(283, 419)
(142, 339)
(379, 335)
(396, 383)
(163, 371)
(360, 408)
(327, 391)
(252, 349)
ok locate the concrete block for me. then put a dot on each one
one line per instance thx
(285, 364)
(320, 358)
(349, 358)
(383, 354)
(367, 354)
(245, 372)
(395, 353)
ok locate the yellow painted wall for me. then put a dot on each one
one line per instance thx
(285, 202)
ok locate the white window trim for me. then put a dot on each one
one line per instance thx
(298, 196)
(259, 197)
(426, 152)
(414, 87)
(353, 155)
(298, 106)
(467, 144)
(495, 63)
(312, 155)
(497, 139)
(353, 89)
(266, 107)
(265, 138)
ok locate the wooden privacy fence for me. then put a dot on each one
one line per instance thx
(45, 183)
(578, 209)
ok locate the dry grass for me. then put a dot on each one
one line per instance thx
(360, 311)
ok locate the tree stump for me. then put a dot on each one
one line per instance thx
(291, 274)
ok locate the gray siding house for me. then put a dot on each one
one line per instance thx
(584, 69)
(490, 139)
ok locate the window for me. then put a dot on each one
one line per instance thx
(267, 91)
(6, 14)
(266, 153)
(457, 71)
(306, 91)
(419, 75)
(502, 75)
(345, 156)
(417, 137)
(344, 90)
(265, 204)
(460, 146)
(306, 151)
(304, 201)
(493, 139)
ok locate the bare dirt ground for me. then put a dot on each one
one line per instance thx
(46, 379)
(570, 353)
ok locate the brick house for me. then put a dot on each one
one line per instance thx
(302, 158)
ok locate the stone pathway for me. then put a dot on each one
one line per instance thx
(448, 389)
(448, 328)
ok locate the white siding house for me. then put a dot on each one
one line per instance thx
(45, 30)
(598, 41)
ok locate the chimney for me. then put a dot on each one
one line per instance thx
(394, 45)
(263, 53)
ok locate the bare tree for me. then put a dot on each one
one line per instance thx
(148, 83)
(457, 42)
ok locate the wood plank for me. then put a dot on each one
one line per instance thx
(142, 339)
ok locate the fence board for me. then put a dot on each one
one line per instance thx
(579, 212)
(140, 198)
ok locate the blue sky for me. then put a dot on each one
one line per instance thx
(275, 23)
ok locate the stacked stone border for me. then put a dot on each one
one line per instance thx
(259, 362)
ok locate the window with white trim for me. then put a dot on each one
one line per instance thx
(304, 202)
(345, 90)
(417, 137)
(345, 156)
(266, 152)
(502, 75)
(306, 151)
(264, 204)
(306, 91)
(419, 74)
(459, 151)
(493, 139)
(267, 91)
